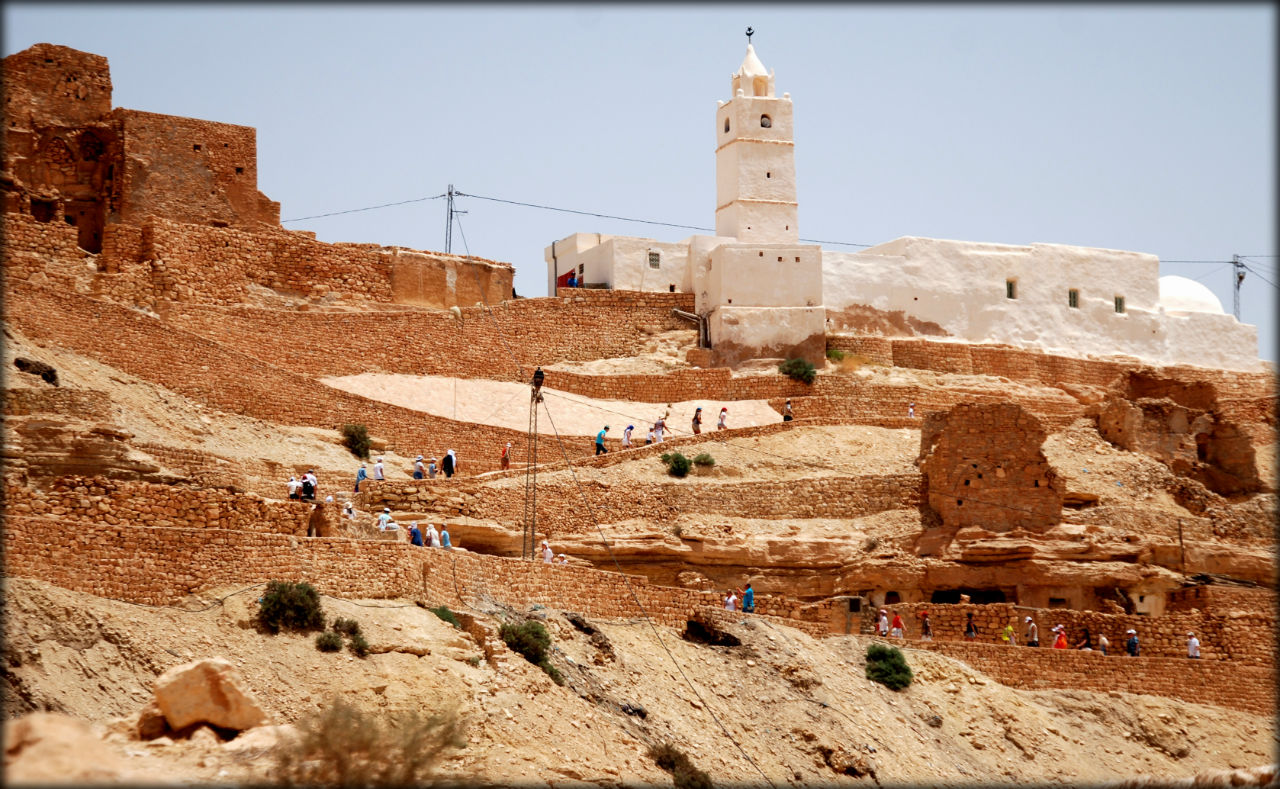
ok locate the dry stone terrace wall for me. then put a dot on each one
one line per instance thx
(1222, 598)
(1241, 637)
(66, 403)
(560, 513)
(418, 342)
(146, 504)
(231, 381)
(1248, 688)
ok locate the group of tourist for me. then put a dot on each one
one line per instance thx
(551, 557)
(303, 489)
(659, 429)
(748, 597)
(423, 468)
(896, 628)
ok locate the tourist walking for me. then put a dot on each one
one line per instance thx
(1131, 645)
(419, 468)
(926, 629)
(911, 410)
(505, 461)
(361, 476)
(649, 439)
(786, 411)
(1060, 640)
(450, 463)
(294, 487)
(1008, 637)
(547, 554)
(1033, 633)
(377, 470)
(626, 436)
(897, 629)
(432, 468)
(445, 542)
(1103, 643)
(724, 414)
(748, 600)
(349, 510)
(970, 631)
(433, 536)
(697, 420)
(882, 626)
(601, 449)
(308, 488)
(415, 536)
(1086, 641)
(659, 427)
(1193, 646)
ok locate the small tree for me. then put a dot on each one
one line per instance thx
(348, 627)
(358, 646)
(887, 666)
(356, 439)
(290, 606)
(329, 641)
(677, 464)
(683, 774)
(798, 370)
(704, 459)
(532, 641)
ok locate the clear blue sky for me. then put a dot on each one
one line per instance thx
(1147, 127)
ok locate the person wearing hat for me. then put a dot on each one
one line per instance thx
(926, 629)
(308, 486)
(505, 460)
(384, 520)
(1033, 633)
(659, 428)
(697, 420)
(601, 449)
(547, 554)
(377, 470)
(415, 536)
(724, 414)
(418, 468)
(1131, 644)
(450, 463)
(626, 436)
(1193, 646)
(361, 476)
(1060, 640)
(433, 536)
(432, 468)
(882, 626)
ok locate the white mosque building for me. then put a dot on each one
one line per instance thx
(761, 293)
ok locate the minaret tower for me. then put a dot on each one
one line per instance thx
(755, 159)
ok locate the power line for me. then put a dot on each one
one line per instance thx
(1264, 279)
(367, 208)
(1202, 277)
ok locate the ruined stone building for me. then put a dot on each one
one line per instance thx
(146, 208)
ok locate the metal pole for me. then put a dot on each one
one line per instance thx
(1237, 270)
(448, 222)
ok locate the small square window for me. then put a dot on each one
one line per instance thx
(1119, 303)
(655, 259)
(1073, 298)
(1010, 289)
(195, 147)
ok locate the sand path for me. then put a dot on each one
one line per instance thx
(506, 404)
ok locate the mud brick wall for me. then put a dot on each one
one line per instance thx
(1220, 599)
(161, 566)
(1243, 638)
(41, 252)
(983, 466)
(72, 403)
(147, 504)
(233, 382)
(480, 344)
(1223, 684)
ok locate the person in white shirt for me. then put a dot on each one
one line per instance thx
(547, 554)
(419, 468)
(384, 520)
(911, 410)
(1033, 633)
(649, 439)
(658, 427)
(626, 436)
(731, 601)
(349, 511)
(377, 470)
(433, 536)
(882, 626)
(294, 485)
(561, 559)
(1193, 646)
(724, 414)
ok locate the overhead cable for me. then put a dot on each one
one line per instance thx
(367, 208)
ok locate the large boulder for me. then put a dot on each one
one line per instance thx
(48, 747)
(207, 691)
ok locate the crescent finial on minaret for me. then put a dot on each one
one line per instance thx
(750, 32)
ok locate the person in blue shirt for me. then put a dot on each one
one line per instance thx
(1131, 646)
(415, 536)
(748, 600)
(572, 281)
(444, 537)
(361, 476)
(600, 447)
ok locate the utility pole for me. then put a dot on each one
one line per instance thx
(1237, 269)
(448, 220)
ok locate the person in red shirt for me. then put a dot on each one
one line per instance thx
(506, 456)
(897, 628)
(1060, 641)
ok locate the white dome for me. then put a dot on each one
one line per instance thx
(751, 65)
(1179, 294)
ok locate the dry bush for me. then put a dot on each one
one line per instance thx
(344, 746)
(851, 362)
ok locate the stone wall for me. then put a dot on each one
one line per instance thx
(146, 504)
(983, 466)
(1247, 688)
(1241, 637)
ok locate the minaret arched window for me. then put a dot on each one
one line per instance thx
(766, 122)
(726, 125)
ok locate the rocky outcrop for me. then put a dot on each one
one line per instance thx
(206, 691)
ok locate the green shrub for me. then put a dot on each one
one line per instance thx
(704, 459)
(444, 613)
(342, 745)
(552, 671)
(289, 606)
(358, 646)
(798, 370)
(349, 627)
(529, 639)
(887, 666)
(677, 464)
(683, 774)
(835, 354)
(329, 641)
(356, 439)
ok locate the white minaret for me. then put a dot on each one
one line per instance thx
(755, 160)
